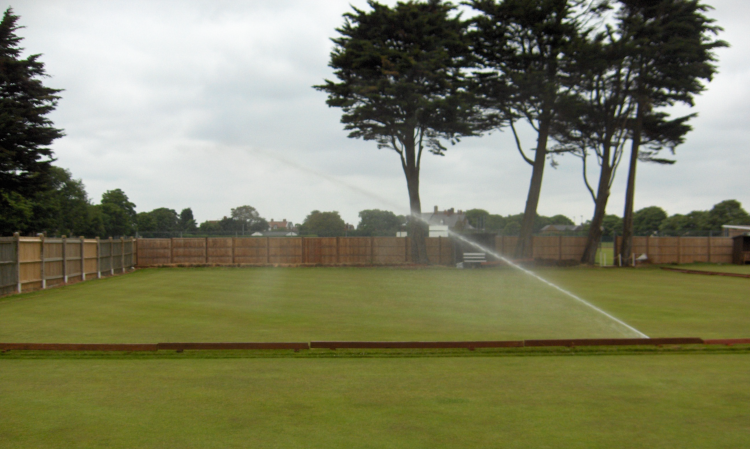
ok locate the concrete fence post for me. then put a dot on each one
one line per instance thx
(65, 258)
(83, 258)
(17, 236)
(111, 257)
(42, 272)
(98, 259)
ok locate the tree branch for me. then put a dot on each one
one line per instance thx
(518, 144)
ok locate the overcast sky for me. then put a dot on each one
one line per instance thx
(209, 105)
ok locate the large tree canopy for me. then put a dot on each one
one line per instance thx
(402, 83)
(672, 56)
(528, 51)
(25, 131)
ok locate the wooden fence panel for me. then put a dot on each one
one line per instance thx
(439, 250)
(285, 250)
(129, 256)
(90, 258)
(721, 249)
(220, 250)
(150, 252)
(73, 260)
(8, 265)
(30, 256)
(546, 247)
(573, 247)
(251, 250)
(189, 250)
(355, 250)
(53, 262)
(390, 250)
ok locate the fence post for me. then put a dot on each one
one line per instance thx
(83, 258)
(440, 250)
(233, 243)
(372, 250)
(171, 250)
(338, 250)
(111, 257)
(206, 250)
(122, 254)
(406, 249)
(679, 250)
(98, 258)
(303, 249)
(41, 254)
(268, 251)
(17, 236)
(559, 247)
(65, 258)
(709, 247)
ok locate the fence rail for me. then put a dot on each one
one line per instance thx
(35, 263)
(397, 250)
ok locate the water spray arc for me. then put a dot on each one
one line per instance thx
(548, 283)
(454, 235)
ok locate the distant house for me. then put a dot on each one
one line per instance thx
(455, 220)
(735, 230)
(561, 229)
(279, 225)
(275, 234)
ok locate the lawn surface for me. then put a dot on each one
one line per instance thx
(725, 268)
(654, 401)
(406, 400)
(304, 304)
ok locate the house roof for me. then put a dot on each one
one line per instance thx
(446, 217)
(561, 228)
(275, 234)
(740, 227)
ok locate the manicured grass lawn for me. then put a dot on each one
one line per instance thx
(653, 401)
(304, 304)
(725, 268)
(661, 303)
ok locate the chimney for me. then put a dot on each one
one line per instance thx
(436, 209)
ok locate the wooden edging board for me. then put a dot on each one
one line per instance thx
(707, 273)
(413, 344)
(367, 344)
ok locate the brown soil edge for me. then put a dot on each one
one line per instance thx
(708, 273)
(297, 346)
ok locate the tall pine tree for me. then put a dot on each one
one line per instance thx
(25, 131)
(402, 83)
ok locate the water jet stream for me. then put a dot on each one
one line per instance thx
(453, 234)
(545, 281)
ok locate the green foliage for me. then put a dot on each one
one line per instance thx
(118, 214)
(375, 222)
(25, 131)
(477, 217)
(243, 219)
(323, 224)
(729, 212)
(187, 221)
(401, 70)
(693, 223)
(646, 221)
(612, 225)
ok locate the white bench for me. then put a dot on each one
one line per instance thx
(475, 258)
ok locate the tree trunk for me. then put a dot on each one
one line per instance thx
(524, 249)
(595, 230)
(416, 226)
(627, 222)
